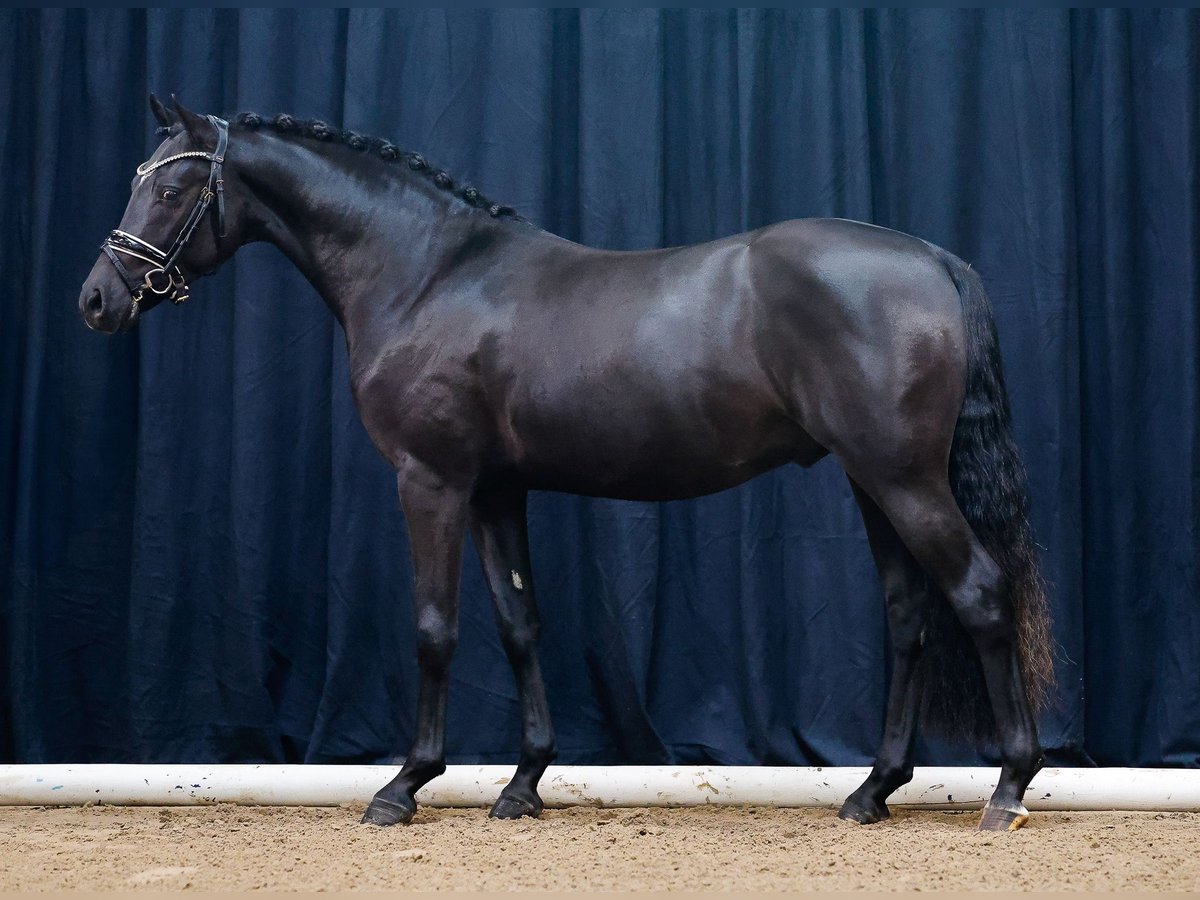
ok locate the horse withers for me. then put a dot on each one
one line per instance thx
(489, 358)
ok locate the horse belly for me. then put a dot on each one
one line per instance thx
(628, 445)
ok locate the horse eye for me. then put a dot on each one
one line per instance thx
(169, 193)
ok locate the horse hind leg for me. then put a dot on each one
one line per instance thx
(908, 597)
(929, 521)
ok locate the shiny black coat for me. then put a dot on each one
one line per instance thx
(490, 358)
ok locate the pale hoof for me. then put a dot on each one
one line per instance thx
(998, 818)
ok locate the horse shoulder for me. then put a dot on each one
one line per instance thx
(419, 393)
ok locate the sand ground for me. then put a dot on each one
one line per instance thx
(230, 847)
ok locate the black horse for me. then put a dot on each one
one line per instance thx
(490, 358)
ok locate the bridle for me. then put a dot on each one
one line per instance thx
(165, 277)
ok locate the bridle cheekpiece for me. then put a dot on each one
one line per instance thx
(165, 277)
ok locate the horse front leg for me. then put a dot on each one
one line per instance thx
(436, 515)
(499, 525)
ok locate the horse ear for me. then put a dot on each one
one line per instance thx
(162, 115)
(197, 125)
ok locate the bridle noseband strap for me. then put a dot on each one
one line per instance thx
(165, 277)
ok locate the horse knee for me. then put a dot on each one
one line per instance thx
(437, 636)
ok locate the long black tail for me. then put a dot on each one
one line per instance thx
(988, 481)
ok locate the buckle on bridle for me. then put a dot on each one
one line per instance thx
(171, 288)
(170, 285)
(148, 281)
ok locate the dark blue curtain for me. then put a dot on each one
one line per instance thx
(203, 557)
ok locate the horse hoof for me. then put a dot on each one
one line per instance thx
(514, 808)
(854, 811)
(386, 812)
(997, 818)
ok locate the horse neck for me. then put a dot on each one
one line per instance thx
(367, 241)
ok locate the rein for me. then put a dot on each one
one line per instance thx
(164, 276)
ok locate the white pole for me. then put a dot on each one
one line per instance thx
(601, 786)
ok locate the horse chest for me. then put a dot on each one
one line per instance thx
(411, 408)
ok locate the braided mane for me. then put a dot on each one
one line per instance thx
(385, 150)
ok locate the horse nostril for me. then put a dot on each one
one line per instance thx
(94, 303)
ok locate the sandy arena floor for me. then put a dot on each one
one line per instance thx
(227, 847)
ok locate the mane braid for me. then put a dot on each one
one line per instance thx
(321, 131)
